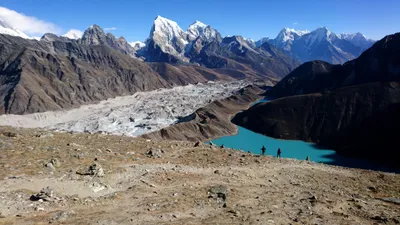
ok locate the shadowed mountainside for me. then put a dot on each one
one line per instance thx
(355, 112)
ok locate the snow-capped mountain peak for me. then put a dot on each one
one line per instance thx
(137, 45)
(73, 34)
(197, 24)
(352, 36)
(168, 28)
(358, 39)
(5, 28)
(196, 29)
(205, 32)
(169, 37)
(320, 34)
(288, 34)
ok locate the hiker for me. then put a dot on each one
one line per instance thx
(222, 146)
(263, 149)
(278, 154)
(308, 159)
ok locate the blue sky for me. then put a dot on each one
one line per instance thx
(249, 18)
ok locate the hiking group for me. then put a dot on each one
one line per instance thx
(278, 153)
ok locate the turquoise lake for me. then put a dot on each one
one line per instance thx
(247, 140)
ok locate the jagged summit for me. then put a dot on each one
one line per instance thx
(95, 35)
(167, 27)
(298, 32)
(197, 24)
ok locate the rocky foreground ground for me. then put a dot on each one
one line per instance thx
(63, 178)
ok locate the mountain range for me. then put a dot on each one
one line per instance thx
(168, 42)
(321, 44)
(58, 72)
(65, 71)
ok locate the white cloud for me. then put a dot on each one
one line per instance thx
(27, 24)
(295, 23)
(110, 28)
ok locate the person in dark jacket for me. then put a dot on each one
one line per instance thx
(278, 154)
(263, 149)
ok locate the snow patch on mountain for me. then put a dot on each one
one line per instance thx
(73, 34)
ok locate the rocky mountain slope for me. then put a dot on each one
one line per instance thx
(45, 75)
(94, 35)
(356, 114)
(102, 179)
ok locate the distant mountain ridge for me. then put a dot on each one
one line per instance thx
(203, 45)
(321, 44)
(168, 42)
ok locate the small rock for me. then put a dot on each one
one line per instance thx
(392, 200)
(50, 166)
(46, 194)
(39, 209)
(56, 163)
(372, 188)
(94, 170)
(380, 218)
(10, 134)
(197, 144)
(154, 153)
(313, 198)
(217, 172)
(236, 213)
(218, 192)
(46, 135)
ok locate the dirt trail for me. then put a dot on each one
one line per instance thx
(178, 183)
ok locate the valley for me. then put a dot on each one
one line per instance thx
(165, 124)
(134, 115)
